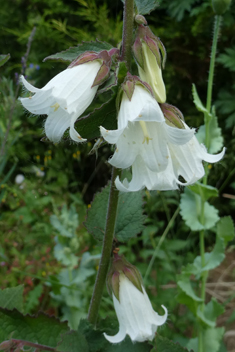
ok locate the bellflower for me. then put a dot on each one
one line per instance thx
(158, 148)
(66, 96)
(134, 311)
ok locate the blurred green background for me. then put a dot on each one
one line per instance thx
(43, 243)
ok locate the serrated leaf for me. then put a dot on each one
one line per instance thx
(4, 59)
(190, 210)
(106, 116)
(186, 286)
(129, 215)
(211, 340)
(212, 260)
(163, 344)
(73, 341)
(227, 59)
(128, 346)
(197, 100)
(144, 7)
(41, 329)
(11, 298)
(33, 298)
(205, 191)
(225, 229)
(72, 53)
(130, 218)
(215, 135)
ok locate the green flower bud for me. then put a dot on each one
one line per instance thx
(220, 6)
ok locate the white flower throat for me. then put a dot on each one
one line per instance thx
(145, 132)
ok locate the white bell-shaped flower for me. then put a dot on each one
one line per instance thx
(157, 152)
(135, 314)
(64, 98)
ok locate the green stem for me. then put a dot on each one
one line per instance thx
(211, 75)
(127, 34)
(160, 243)
(106, 250)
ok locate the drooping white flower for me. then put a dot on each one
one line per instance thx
(134, 310)
(64, 99)
(158, 152)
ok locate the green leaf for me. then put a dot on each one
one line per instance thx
(130, 218)
(211, 312)
(73, 52)
(190, 210)
(4, 59)
(42, 329)
(215, 135)
(216, 256)
(225, 229)
(205, 191)
(73, 341)
(11, 298)
(106, 116)
(33, 298)
(211, 340)
(129, 215)
(186, 286)
(163, 344)
(197, 100)
(144, 7)
(184, 299)
(227, 59)
(128, 346)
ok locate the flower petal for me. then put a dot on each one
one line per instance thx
(73, 133)
(160, 319)
(111, 136)
(118, 337)
(28, 86)
(179, 136)
(56, 124)
(39, 104)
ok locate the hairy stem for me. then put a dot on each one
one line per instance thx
(106, 250)
(211, 75)
(113, 196)
(127, 33)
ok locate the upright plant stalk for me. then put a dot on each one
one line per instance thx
(207, 142)
(113, 195)
(127, 34)
(211, 74)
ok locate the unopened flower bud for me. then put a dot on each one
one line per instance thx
(173, 115)
(152, 74)
(140, 19)
(220, 6)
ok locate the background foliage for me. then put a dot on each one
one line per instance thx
(43, 242)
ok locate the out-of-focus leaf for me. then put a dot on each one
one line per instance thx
(205, 191)
(144, 7)
(190, 209)
(225, 229)
(227, 59)
(163, 344)
(72, 53)
(11, 298)
(4, 59)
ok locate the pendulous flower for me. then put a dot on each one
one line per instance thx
(155, 142)
(134, 311)
(66, 96)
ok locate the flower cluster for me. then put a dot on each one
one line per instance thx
(152, 138)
